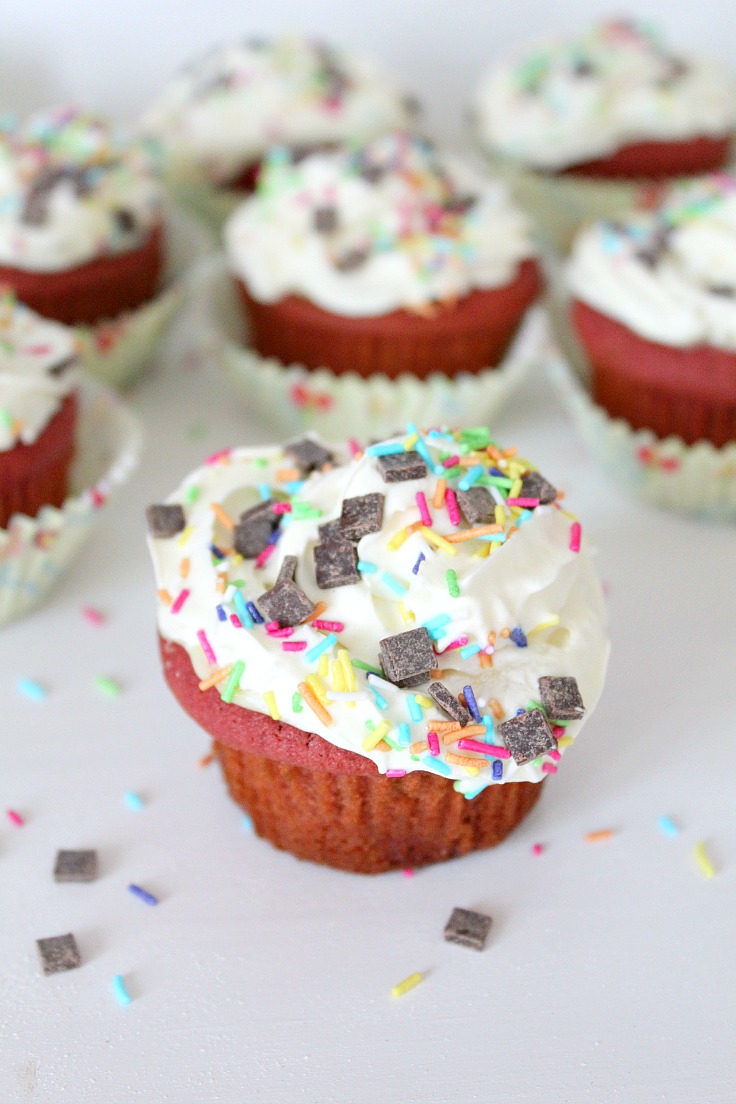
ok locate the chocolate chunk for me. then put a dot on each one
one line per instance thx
(309, 455)
(527, 736)
(58, 953)
(352, 259)
(361, 515)
(407, 658)
(723, 290)
(534, 485)
(254, 530)
(583, 68)
(460, 204)
(287, 571)
(371, 173)
(325, 220)
(286, 603)
(448, 703)
(330, 531)
(468, 928)
(126, 221)
(561, 698)
(36, 207)
(478, 506)
(400, 467)
(75, 866)
(62, 366)
(335, 564)
(165, 521)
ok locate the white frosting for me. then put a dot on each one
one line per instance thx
(31, 349)
(669, 275)
(567, 101)
(107, 201)
(224, 111)
(532, 579)
(414, 248)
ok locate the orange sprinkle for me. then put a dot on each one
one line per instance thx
(491, 637)
(598, 837)
(436, 673)
(220, 514)
(439, 493)
(441, 726)
(184, 567)
(470, 534)
(486, 660)
(288, 475)
(215, 677)
(382, 746)
(505, 634)
(221, 584)
(496, 709)
(314, 704)
(206, 760)
(508, 453)
(164, 597)
(419, 747)
(465, 761)
(451, 736)
(319, 609)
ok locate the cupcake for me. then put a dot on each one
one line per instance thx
(81, 235)
(591, 126)
(219, 116)
(391, 649)
(391, 260)
(38, 410)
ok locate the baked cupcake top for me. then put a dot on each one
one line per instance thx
(37, 370)
(429, 584)
(667, 274)
(362, 232)
(224, 111)
(571, 100)
(71, 189)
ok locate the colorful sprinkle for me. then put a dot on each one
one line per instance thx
(668, 826)
(406, 985)
(108, 686)
(233, 681)
(703, 860)
(453, 586)
(122, 996)
(31, 689)
(142, 894)
(15, 818)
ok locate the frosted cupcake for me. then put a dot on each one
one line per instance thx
(392, 649)
(588, 127)
(219, 115)
(391, 260)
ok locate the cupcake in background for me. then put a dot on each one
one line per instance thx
(219, 115)
(385, 261)
(38, 409)
(591, 126)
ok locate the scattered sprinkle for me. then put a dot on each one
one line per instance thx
(122, 996)
(31, 689)
(133, 800)
(15, 818)
(94, 616)
(406, 985)
(142, 894)
(599, 836)
(108, 686)
(703, 860)
(668, 826)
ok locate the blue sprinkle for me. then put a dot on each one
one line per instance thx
(433, 761)
(493, 538)
(393, 584)
(523, 516)
(242, 608)
(470, 794)
(437, 622)
(487, 720)
(404, 737)
(415, 569)
(498, 472)
(264, 491)
(133, 801)
(415, 709)
(143, 894)
(384, 450)
(497, 769)
(275, 536)
(31, 689)
(122, 996)
(518, 637)
(254, 613)
(221, 615)
(322, 646)
(520, 711)
(293, 488)
(217, 552)
(380, 700)
(437, 634)
(471, 702)
(246, 822)
(668, 826)
(471, 476)
(469, 650)
(366, 567)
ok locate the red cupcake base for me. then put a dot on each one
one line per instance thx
(37, 475)
(659, 160)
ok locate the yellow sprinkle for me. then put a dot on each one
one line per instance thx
(515, 489)
(564, 741)
(338, 676)
(484, 551)
(703, 860)
(424, 701)
(548, 624)
(184, 535)
(499, 515)
(437, 540)
(375, 736)
(323, 666)
(270, 699)
(569, 514)
(318, 688)
(409, 442)
(397, 540)
(221, 516)
(408, 983)
(343, 658)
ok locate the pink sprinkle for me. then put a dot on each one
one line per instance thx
(494, 750)
(459, 643)
(423, 509)
(236, 621)
(331, 626)
(263, 556)
(271, 626)
(451, 462)
(279, 634)
(282, 507)
(451, 503)
(218, 457)
(434, 743)
(94, 616)
(38, 350)
(395, 773)
(555, 754)
(549, 768)
(557, 731)
(15, 818)
(408, 872)
(355, 449)
(179, 601)
(575, 532)
(294, 645)
(528, 502)
(206, 647)
(537, 849)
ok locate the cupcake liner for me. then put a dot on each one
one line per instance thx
(208, 202)
(116, 351)
(34, 552)
(294, 399)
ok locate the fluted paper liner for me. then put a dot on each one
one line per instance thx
(293, 399)
(35, 552)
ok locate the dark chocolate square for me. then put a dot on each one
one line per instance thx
(254, 530)
(361, 515)
(527, 736)
(309, 455)
(335, 564)
(478, 506)
(561, 698)
(468, 928)
(448, 703)
(165, 521)
(58, 953)
(75, 866)
(534, 485)
(330, 531)
(286, 603)
(400, 467)
(325, 220)
(287, 571)
(407, 658)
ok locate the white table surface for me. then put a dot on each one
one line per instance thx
(609, 972)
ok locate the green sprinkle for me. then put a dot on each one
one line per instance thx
(107, 686)
(452, 583)
(476, 436)
(260, 461)
(370, 725)
(366, 667)
(192, 494)
(233, 681)
(453, 473)
(496, 480)
(6, 418)
(392, 743)
(296, 702)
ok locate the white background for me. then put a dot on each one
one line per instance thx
(609, 974)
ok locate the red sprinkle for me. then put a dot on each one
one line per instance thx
(263, 556)
(236, 621)
(218, 457)
(459, 643)
(452, 507)
(282, 507)
(434, 743)
(94, 616)
(554, 754)
(451, 461)
(424, 513)
(549, 768)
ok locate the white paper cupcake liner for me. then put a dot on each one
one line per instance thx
(116, 351)
(294, 398)
(210, 203)
(35, 552)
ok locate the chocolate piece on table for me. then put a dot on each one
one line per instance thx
(527, 736)
(58, 953)
(75, 866)
(468, 928)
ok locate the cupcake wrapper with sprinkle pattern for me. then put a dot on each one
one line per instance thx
(35, 552)
(294, 399)
(116, 351)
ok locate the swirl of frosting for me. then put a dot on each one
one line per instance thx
(668, 274)
(37, 370)
(224, 111)
(392, 225)
(266, 534)
(71, 190)
(567, 101)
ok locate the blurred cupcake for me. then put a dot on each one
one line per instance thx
(219, 115)
(81, 235)
(390, 260)
(38, 410)
(591, 126)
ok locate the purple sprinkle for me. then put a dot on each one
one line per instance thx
(217, 552)
(250, 606)
(497, 769)
(417, 565)
(275, 536)
(472, 704)
(143, 894)
(221, 615)
(518, 637)
(497, 471)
